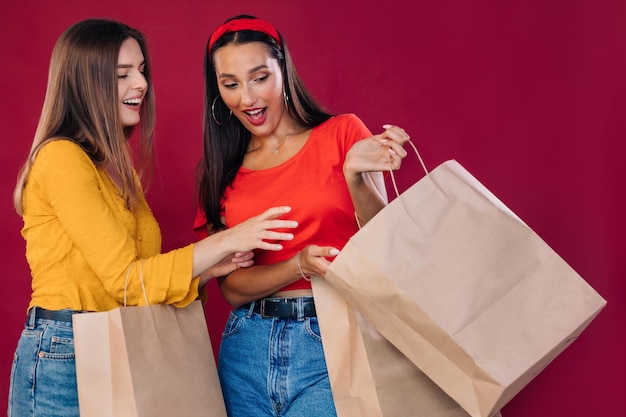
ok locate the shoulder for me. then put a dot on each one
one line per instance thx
(62, 152)
(60, 148)
(342, 121)
(347, 128)
(61, 158)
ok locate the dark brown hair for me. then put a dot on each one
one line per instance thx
(225, 144)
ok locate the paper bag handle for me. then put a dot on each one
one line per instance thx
(393, 178)
(143, 287)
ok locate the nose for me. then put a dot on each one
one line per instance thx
(140, 83)
(248, 98)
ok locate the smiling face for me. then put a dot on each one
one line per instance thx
(131, 84)
(251, 85)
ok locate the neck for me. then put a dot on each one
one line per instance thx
(274, 141)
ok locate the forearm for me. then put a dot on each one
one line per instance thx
(368, 195)
(209, 252)
(363, 167)
(248, 284)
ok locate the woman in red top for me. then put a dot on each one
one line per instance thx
(267, 143)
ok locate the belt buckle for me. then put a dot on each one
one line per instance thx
(262, 309)
(276, 312)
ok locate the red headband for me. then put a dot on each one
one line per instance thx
(257, 25)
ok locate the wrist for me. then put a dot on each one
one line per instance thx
(299, 265)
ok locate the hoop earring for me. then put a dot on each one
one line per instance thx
(213, 112)
(285, 98)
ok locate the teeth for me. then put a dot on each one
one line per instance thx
(252, 113)
(132, 101)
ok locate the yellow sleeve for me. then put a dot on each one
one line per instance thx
(70, 183)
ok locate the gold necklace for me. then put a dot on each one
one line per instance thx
(275, 148)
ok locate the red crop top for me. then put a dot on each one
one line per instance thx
(311, 183)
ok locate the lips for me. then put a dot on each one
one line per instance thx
(132, 103)
(256, 117)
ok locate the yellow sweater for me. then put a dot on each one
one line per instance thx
(81, 239)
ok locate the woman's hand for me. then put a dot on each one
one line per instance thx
(258, 231)
(313, 259)
(363, 168)
(227, 265)
(377, 153)
(230, 263)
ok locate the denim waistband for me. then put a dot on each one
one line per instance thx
(63, 316)
(292, 308)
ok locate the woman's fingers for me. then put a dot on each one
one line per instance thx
(395, 137)
(273, 212)
(395, 133)
(239, 257)
(259, 232)
(314, 259)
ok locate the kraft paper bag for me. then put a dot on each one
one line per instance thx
(464, 289)
(369, 376)
(146, 361)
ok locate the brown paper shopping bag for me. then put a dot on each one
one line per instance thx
(464, 288)
(146, 361)
(369, 376)
(351, 380)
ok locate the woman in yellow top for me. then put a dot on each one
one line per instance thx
(86, 221)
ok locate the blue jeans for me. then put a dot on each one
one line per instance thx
(273, 367)
(43, 375)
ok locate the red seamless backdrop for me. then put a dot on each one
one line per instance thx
(528, 95)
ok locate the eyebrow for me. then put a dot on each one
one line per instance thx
(252, 71)
(130, 65)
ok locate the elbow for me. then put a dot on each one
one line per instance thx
(232, 297)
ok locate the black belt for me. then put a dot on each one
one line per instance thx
(58, 315)
(287, 308)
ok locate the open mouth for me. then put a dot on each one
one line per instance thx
(256, 117)
(132, 102)
(256, 114)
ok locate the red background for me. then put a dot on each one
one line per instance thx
(528, 95)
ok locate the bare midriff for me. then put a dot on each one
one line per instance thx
(292, 294)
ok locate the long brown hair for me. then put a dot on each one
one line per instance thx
(81, 103)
